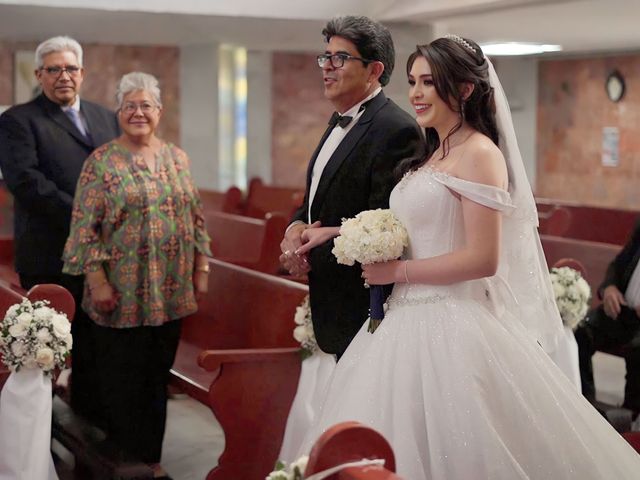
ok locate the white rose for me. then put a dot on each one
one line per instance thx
(43, 314)
(44, 357)
(279, 475)
(30, 363)
(68, 340)
(300, 315)
(43, 335)
(12, 310)
(18, 349)
(300, 333)
(558, 290)
(61, 326)
(18, 330)
(25, 318)
(301, 464)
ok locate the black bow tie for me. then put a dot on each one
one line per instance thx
(337, 119)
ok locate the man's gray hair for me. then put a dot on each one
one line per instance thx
(134, 81)
(372, 39)
(58, 44)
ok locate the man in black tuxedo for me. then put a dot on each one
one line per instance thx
(351, 170)
(43, 145)
(616, 322)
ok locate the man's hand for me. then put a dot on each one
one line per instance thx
(296, 264)
(612, 300)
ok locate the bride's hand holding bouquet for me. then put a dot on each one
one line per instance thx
(375, 239)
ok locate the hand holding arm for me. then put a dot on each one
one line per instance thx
(316, 235)
(295, 264)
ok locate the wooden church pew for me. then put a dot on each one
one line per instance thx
(348, 442)
(237, 355)
(229, 201)
(249, 242)
(263, 199)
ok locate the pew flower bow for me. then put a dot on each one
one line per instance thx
(34, 335)
(295, 471)
(572, 295)
(371, 236)
(303, 332)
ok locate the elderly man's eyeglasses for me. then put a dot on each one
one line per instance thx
(337, 59)
(72, 70)
(131, 107)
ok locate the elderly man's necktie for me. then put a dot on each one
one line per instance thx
(341, 120)
(74, 116)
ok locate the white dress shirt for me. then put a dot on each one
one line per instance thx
(331, 144)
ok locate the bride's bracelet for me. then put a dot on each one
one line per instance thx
(406, 276)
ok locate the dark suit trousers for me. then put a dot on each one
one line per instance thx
(84, 388)
(599, 331)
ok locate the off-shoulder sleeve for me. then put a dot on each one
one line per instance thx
(487, 195)
(85, 251)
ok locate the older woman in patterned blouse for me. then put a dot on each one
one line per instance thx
(138, 234)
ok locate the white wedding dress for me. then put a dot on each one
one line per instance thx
(454, 381)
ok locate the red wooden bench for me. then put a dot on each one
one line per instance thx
(263, 199)
(228, 202)
(249, 242)
(348, 442)
(237, 355)
(596, 224)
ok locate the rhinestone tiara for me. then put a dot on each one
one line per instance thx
(461, 41)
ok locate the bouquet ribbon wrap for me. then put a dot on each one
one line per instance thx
(376, 306)
(25, 426)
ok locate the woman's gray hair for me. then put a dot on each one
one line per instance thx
(58, 44)
(134, 81)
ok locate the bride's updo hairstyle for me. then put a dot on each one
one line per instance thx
(454, 62)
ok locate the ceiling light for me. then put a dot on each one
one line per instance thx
(518, 48)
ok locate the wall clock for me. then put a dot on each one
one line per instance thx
(615, 86)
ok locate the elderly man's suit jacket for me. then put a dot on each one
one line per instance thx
(41, 155)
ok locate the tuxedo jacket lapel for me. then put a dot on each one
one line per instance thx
(343, 151)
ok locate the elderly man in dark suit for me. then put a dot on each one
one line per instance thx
(616, 322)
(43, 144)
(351, 170)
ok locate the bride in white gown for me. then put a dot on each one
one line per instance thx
(455, 377)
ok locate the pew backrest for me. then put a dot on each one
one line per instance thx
(263, 199)
(229, 201)
(246, 241)
(582, 222)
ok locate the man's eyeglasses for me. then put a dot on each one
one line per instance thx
(131, 107)
(72, 70)
(337, 59)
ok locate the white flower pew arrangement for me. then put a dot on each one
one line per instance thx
(295, 471)
(572, 294)
(303, 332)
(34, 340)
(371, 236)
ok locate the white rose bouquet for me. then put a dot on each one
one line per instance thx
(371, 236)
(34, 335)
(295, 471)
(303, 332)
(572, 294)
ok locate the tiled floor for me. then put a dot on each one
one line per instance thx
(193, 440)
